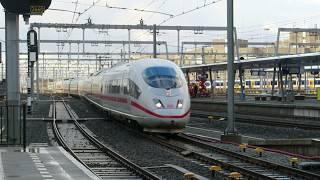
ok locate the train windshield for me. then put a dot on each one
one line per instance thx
(162, 77)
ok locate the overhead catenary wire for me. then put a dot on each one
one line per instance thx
(75, 9)
(255, 36)
(63, 10)
(140, 10)
(190, 10)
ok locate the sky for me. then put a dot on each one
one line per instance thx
(255, 20)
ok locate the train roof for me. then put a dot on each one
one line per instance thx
(138, 65)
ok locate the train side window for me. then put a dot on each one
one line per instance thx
(113, 86)
(108, 87)
(302, 82)
(118, 86)
(248, 83)
(126, 88)
(134, 90)
(257, 83)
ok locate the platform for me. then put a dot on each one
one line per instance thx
(308, 146)
(306, 110)
(43, 163)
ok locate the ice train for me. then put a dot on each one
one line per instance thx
(151, 93)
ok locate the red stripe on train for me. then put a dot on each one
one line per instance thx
(138, 106)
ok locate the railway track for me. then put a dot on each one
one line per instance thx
(269, 121)
(204, 151)
(101, 160)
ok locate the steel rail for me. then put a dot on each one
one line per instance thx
(209, 160)
(122, 160)
(269, 121)
(62, 142)
(199, 141)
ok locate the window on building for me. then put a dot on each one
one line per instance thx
(276, 83)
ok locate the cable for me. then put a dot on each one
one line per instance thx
(191, 10)
(188, 11)
(140, 10)
(93, 4)
(75, 9)
(63, 10)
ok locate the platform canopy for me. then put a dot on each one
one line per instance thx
(308, 59)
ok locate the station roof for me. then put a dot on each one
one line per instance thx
(308, 59)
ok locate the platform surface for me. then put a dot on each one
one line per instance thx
(44, 163)
(307, 103)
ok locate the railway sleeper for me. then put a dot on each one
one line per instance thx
(114, 164)
(95, 157)
(280, 177)
(127, 173)
(83, 155)
(97, 160)
(108, 168)
(114, 172)
(87, 151)
(122, 177)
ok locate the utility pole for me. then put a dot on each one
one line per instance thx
(129, 44)
(2, 62)
(230, 133)
(37, 63)
(154, 41)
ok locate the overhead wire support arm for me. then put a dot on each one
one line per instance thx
(131, 27)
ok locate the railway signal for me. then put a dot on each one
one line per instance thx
(14, 8)
(32, 41)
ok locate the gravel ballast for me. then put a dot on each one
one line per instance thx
(139, 149)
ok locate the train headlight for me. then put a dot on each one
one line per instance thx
(179, 104)
(158, 103)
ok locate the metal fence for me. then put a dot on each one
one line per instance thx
(13, 124)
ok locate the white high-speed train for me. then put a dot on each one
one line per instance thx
(152, 93)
